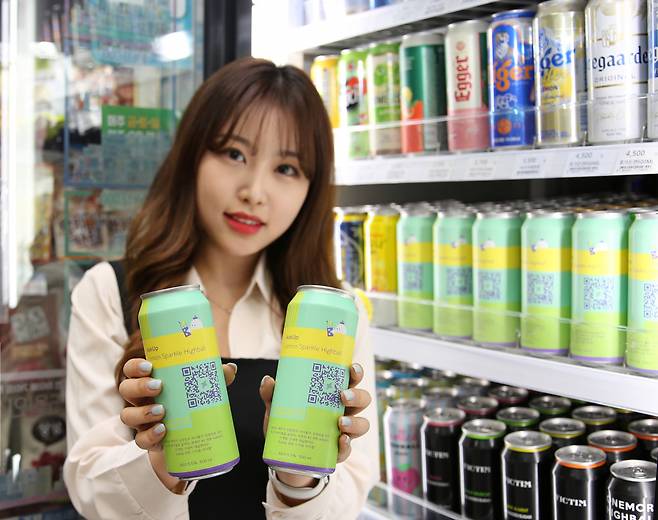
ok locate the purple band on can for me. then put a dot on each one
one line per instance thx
(556, 352)
(300, 467)
(487, 344)
(612, 360)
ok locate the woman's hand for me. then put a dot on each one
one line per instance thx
(143, 415)
(355, 400)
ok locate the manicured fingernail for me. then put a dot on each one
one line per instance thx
(234, 367)
(348, 394)
(158, 409)
(348, 440)
(346, 422)
(154, 384)
(146, 367)
(358, 369)
(159, 429)
(262, 381)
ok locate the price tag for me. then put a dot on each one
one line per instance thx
(530, 165)
(585, 162)
(396, 173)
(635, 160)
(434, 7)
(438, 170)
(481, 166)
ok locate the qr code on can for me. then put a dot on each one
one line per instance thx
(201, 385)
(650, 303)
(326, 384)
(598, 294)
(489, 285)
(459, 281)
(413, 277)
(540, 288)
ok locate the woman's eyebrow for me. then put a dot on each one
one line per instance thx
(242, 140)
(289, 153)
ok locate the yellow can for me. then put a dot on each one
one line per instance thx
(324, 74)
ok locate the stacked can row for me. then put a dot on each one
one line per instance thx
(561, 75)
(581, 282)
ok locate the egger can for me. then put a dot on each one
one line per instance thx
(181, 342)
(316, 353)
(595, 417)
(631, 490)
(646, 430)
(519, 418)
(353, 92)
(564, 431)
(616, 445)
(324, 75)
(383, 77)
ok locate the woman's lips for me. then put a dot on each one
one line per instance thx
(243, 223)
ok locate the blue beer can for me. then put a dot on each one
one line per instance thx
(352, 245)
(512, 79)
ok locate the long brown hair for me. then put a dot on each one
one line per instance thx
(165, 234)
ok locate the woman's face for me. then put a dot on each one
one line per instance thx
(249, 192)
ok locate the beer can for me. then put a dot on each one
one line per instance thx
(631, 490)
(595, 417)
(383, 77)
(561, 83)
(579, 480)
(509, 395)
(564, 431)
(479, 458)
(415, 267)
(440, 397)
(423, 91)
(181, 342)
(440, 446)
(512, 79)
(617, 64)
(466, 86)
(352, 245)
(642, 347)
(453, 273)
(654, 454)
(408, 388)
(626, 417)
(616, 445)
(518, 418)
(468, 386)
(316, 354)
(383, 381)
(438, 377)
(599, 287)
(496, 278)
(646, 431)
(478, 407)
(652, 50)
(550, 406)
(527, 475)
(324, 75)
(546, 281)
(353, 100)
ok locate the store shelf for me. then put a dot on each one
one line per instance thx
(386, 503)
(584, 161)
(612, 386)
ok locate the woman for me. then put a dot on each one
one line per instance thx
(242, 205)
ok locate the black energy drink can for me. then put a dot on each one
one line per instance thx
(509, 395)
(564, 431)
(440, 446)
(646, 432)
(595, 417)
(579, 480)
(654, 454)
(626, 417)
(478, 407)
(617, 445)
(479, 458)
(550, 406)
(527, 476)
(631, 489)
(518, 418)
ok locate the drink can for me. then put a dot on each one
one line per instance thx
(408, 388)
(617, 64)
(440, 445)
(181, 342)
(478, 407)
(496, 278)
(466, 86)
(423, 91)
(652, 116)
(595, 417)
(561, 83)
(415, 267)
(550, 406)
(324, 74)
(579, 480)
(440, 377)
(546, 281)
(383, 77)
(353, 100)
(316, 353)
(440, 397)
(512, 79)
(616, 445)
(631, 490)
(468, 386)
(564, 431)
(646, 431)
(642, 347)
(527, 475)
(626, 417)
(381, 262)
(479, 458)
(453, 274)
(352, 245)
(654, 454)
(518, 418)
(599, 287)
(383, 381)
(509, 395)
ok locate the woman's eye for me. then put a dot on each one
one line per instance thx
(235, 155)
(287, 170)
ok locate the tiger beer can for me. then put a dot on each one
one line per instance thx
(324, 75)
(181, 342)
(316, 353)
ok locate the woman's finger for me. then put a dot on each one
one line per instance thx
(151, 438)
(354, 426)
(230, 370)
(137, 367)
(356, 375)
(266, 391)
(344, 448)
(138, 391)
(137, 417)
(355, 400)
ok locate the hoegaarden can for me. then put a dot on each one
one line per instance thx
(453, 274)
(546, 281)
(353, 93)
(423, 91)
(415, 267)
(496, 278)
(180, 341)
(599, 286)
(383, 77)
(642, 348)
(316, 353)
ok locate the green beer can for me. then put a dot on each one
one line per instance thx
(599, 286)
(180, 341)
(314, 367)
(353, 100)
(642, 348)
(453, 273)
(415, 266)
(546, 281)
(496, 277)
